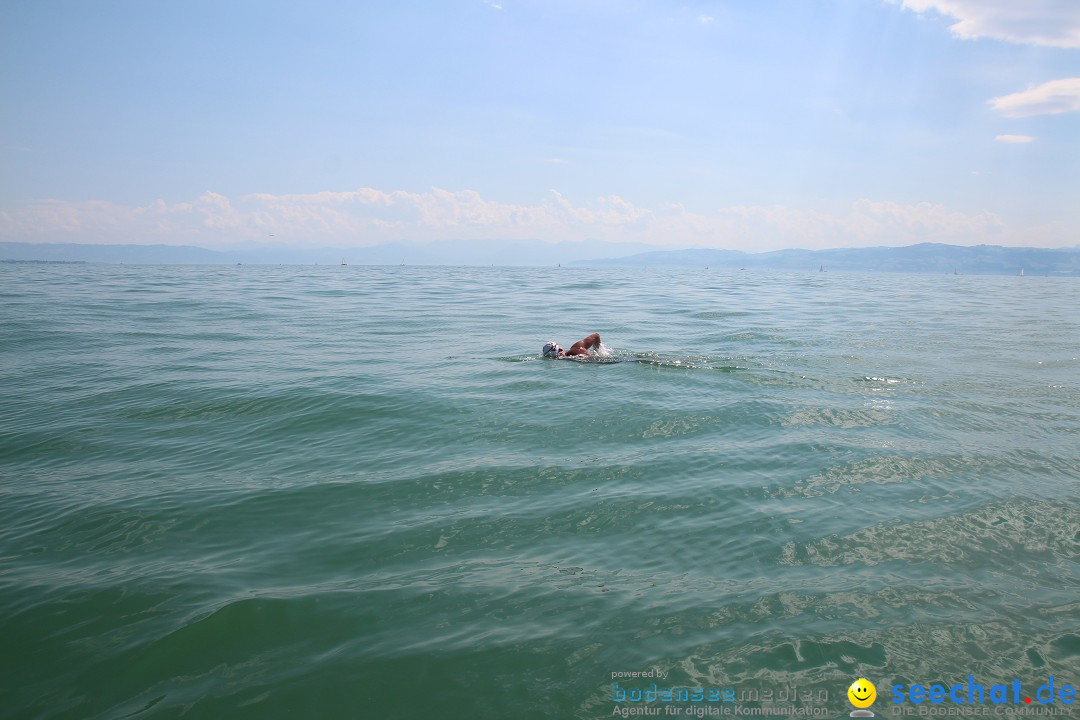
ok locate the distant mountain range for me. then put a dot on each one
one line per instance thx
(922, 258)
(478, 252)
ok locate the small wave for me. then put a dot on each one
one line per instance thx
(721, 314)
(884, 380)
(840, 418)
(988, 535)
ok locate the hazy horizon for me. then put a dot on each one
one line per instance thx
(932, 258)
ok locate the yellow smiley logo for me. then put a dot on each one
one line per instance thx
(862, 693)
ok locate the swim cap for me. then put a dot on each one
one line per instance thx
(552, 349)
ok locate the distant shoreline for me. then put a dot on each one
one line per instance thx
(922, 258)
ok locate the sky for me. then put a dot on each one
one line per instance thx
(752, 125)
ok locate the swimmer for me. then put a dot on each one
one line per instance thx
(581, 347)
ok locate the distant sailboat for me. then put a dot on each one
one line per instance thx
(1021, 272)
(343, 261)
(821, 269)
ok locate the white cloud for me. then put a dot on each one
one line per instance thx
(1014, 138)
(1052, 23)
(369, 216)
(705, 19)
(1050, 98)
(922, 222)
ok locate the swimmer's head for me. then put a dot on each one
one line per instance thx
(552, 349)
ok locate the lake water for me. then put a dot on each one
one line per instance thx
(328, 492)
